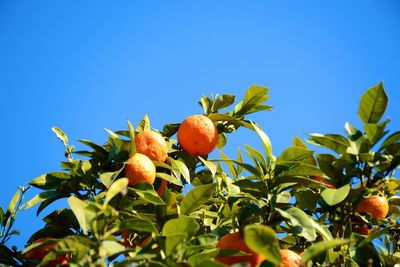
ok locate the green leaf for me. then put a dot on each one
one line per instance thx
(333, 196)
(373, 104)
(326, 164)
(168, 178)
(147, 192)
(14, 202)
(132, 148)
(181, 167)
(170, 129)
(83, 213)
(50, 180)
(252, 101)
(303, 170)
(206, 103)
(196, 197)
(221, 140)
(63, 218)
(300, 223)
(306, 198)
(232, 120)
(373, 236)
(116, 187)
(392, 139)
(144, 124)
(231, 168)
(181, 226)
(61, 135)
(336, 142)
(321, 247)
(223, 101)
(265, 141)
(210, 165)
(322, 230)
(107, 178)
(375, 131)
(109, 248)
(140, 225)
(263, 240)
(41, 197)
(256, 155)
(294, 154)
(299, 143)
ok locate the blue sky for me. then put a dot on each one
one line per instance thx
(88, 65)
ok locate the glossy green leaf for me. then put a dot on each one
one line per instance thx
(132, 148)
(147, 192)
(336, 142)
(232, 120)
(41, 197)
(14, 202)
(107, 178)
(223, 101)
(375, 131)
(109, 248)
(373, 104)
(263, 240)
(168, 178)
(50, 180)
(117, 187)
(181, 168)
(321, 247)
(300, 222)
(294, 154)
(183, 225)
(61, 135)
(265, 141)
(252, 101)
(392, 139)
(333, 196)
(83, 213)
(299, 143)
(144, 124)
(221, 140)
(196, 197)
(210, 165)
(140, 225)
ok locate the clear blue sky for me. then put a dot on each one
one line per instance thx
(89, 65)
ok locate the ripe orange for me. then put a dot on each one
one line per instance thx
(198, 135)
(39, 253)
(140, 169)
(290, 258)
(377, 206)
(235, 241)
(151, 144)
(322, 180)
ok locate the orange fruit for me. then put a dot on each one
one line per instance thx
(151, 144)
(140, 169)
(39, 253)
(289, 258)
(377, 206)
(322, 180)
(235, 241)
(198, 135)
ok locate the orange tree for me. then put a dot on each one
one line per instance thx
(151, 201)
